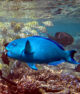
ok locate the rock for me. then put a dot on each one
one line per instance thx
(62, 38)
(78, 68)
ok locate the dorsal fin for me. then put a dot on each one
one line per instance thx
(27, 47)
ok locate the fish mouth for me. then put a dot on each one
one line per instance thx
(6, 48)
(5, 51)
(4, 57)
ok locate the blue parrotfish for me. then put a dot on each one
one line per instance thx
(39, 50)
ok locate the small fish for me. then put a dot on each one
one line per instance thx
(39, 50)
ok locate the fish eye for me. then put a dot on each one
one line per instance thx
(14, 44)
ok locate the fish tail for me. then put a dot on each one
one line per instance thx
(70, 57)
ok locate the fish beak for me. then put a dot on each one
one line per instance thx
(6, 48)
(5, 51)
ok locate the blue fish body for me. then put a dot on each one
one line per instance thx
(39, 50)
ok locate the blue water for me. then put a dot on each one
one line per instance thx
(71, 28)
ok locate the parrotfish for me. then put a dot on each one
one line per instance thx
(39, 50)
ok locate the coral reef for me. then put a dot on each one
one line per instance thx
(23, 80)
(15, 30)
(23, 21)
(17, 78)
(18, 27)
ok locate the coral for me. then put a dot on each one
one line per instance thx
(22, 35)
(26, 29)
(7, 24)
(2, 25)
(18, 27)
(4, 31)
(32, 24)
(13, 24)
(34, 32)
(24, 80)
(47, 23)
(42, 29)
(4, 89)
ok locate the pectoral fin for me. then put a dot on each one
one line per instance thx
(56, 62)
(32, 66)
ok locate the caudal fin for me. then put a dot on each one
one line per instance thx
(70, 57)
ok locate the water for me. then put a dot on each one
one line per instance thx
(23, 18)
